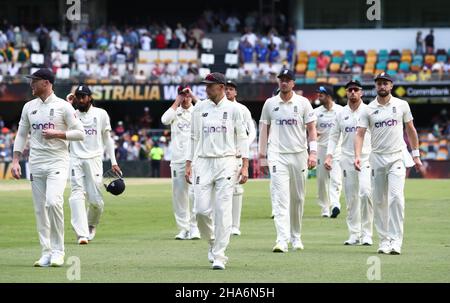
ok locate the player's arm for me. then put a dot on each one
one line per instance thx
(333, 139)
(169, 116)
(20, 142)
(251, 129)
(192, 146)
(414, 142)
(359, 139)
(264, 130)
(189, 93)
(75, 128)
(242, 144)
(108, 142)
(310, 119)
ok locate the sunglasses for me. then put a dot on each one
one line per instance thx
(353, 89)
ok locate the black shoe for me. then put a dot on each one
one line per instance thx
(272, 216)
(335, 212)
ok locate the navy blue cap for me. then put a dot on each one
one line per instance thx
(286, 73)
(384, 76)
(43, 74)
(231, 83)
(353, 83)
(116, 187)
(322, 89)
(83, 90)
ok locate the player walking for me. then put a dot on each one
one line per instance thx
(285, 119)
(86, 165)
(384, 117)
(358, 193)
(51, 122)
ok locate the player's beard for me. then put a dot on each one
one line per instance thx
(383, 93)
(83, 107)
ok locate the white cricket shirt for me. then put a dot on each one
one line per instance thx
(287, 122)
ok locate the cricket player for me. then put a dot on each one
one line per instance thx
(51, 122)
(231, 93)
(358, 193)
(329, 182)
(217, 132)
(384, 117)
(285, 119)
(86, 165)
(178, 116)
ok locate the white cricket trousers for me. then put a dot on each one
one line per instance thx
(358, 197)
(215, 177)
(237, 199)
(182, 198)
(288, 173)
(388, 182)
(48, 182)
(86, 178)
(329, 183)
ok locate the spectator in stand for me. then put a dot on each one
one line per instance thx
(24, 54)
(115, 77)
(345, 67)
(447, 66)
(191, 42)
(429, 42)
(146, 42)
(425, 74)
(103, 71)
(246, 52)
(80, 55)
(192, 69)
(174, 42)
(261, 51)
(249, 36)
(180, 31)
(13, 69)
(119, 130)
(274, 54)
(232, 23)
(322, 64)
(419, 43)
(160, 40)
(356, 69)
(140, 77)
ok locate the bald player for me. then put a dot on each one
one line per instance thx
(86, 165)
(231, 93)
(217, 132)
(51, 122)
(384, 117)
(286, 120)
(358, 193)
(329, 182)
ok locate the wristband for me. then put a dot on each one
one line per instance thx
(313, 146)
(415, 153)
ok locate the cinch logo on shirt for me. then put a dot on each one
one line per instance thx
(350, 129)
(326, 125)
(391, 122)
(47, 125)
(215, 129)
(286, 122)
(90, 131)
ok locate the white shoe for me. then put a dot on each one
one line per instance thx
(210, 254)
(384, 248)
(194, 234)
(235, 231)
(353, 240)
(217, 264)
(280, 247)
(57, 259)
(92, 231)
(182, 235)
(44, 261)
(297, 245)
(367, 241)
(83, 240)
(395, 248)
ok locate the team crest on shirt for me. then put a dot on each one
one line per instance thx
(52, 113)
(394, 110)
(295, 109)
(225, 116)
(95, 120)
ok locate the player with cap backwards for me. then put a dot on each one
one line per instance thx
(384, 117)
(178, 116)
(231, 93)
(51, 122)
(217, 132)
(358, 193)
(286, 120)
(86, 165)
(329, 182)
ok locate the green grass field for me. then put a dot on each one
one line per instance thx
(135, 243)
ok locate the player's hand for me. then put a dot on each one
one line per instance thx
(312, 160)
(243, 175)
(70, 97)
(358, 163)
(188, 172)
(263, 165)
(328, 162)
(418, 164)
(179, 99)
(116, 169)
(15, 170)
(51, 133)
